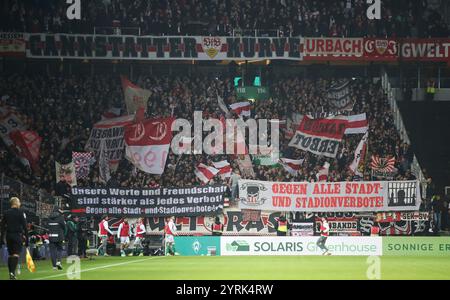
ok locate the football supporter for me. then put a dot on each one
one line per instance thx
(103, 231)
(170, 230)
(140, 233)
(123, 234)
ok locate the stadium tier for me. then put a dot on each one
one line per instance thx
(224, 129)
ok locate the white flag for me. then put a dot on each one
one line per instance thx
(135, 97)
(322, 175)
(360, 154)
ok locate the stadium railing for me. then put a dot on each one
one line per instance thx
(398, 121)
(117, 30)
(36, 203)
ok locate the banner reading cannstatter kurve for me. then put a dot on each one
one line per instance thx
(330, 196)
(159, 202)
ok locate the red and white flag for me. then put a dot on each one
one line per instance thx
(147, 144)
(291, 165)
(356, 124)
(382, 164)
(322, 175)
(360, 155)
(205, 173)
(113, 112)
(135, 97)
(82, 162)
(27, 144)
(241, 108)
(224, 168)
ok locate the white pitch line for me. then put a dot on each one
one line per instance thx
(97, 268)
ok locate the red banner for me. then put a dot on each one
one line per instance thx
(332, 48)
(27, 144)
(375, 49)
(380, 49)
(319, 136)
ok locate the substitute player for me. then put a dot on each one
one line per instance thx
(123, 233)
(324, 231)
(103, 230)
(140, 232)
(13, 230)
(170, 230)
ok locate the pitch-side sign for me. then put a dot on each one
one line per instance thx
(330, 196)
(254, 245)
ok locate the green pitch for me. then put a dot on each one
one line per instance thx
(244, 267)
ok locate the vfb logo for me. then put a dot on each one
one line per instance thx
(74, 10)
(374, 10)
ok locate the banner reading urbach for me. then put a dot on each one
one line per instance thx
(159, 202)
(330, 196)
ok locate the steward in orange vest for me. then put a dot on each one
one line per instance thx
(282, 226)
(217, 227)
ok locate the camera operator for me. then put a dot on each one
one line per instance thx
(72, 238)
(82, 236)
(57, 227)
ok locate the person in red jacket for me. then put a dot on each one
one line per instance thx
(103, 230)
(217, 227)
(375, 230)
(123, 233)
(140, 232)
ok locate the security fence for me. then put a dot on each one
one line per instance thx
(36, 203)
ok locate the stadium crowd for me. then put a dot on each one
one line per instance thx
(63, 110)
(400, 18)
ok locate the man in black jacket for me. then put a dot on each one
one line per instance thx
(82, 236)
(13, 230)
(57, 227)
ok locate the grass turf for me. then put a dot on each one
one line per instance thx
(245, 267)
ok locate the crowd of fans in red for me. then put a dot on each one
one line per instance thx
(63, 109)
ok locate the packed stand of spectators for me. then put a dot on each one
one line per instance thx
(336, 18)
(63, 109)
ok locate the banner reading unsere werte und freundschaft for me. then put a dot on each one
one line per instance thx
(158, 202)
(330, 196)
